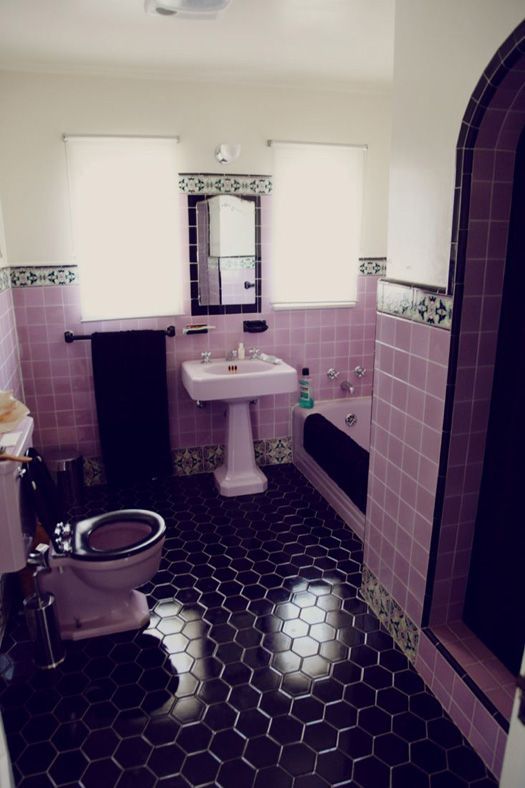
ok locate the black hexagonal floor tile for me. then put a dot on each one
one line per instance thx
(260, 667)
(262, 751)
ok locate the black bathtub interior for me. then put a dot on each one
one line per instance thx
(345, 462)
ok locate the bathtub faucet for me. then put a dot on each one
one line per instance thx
(347, 386)
(332, 373)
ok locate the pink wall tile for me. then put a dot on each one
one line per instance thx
(10, 372)
(410, 383)
(58, 377)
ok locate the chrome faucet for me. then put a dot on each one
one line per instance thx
(232, 355)
(206, 357)
(332, 374)
(347, 386)
(254, 352)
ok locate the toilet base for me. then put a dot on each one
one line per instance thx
(133, 615)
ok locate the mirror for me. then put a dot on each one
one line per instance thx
(224, 253)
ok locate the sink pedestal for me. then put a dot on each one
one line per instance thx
(249, 379)
(239, 475)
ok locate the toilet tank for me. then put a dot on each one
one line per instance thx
(16, 520)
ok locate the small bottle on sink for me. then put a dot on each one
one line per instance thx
(241, 352)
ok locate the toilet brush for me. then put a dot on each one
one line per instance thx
(41, 616)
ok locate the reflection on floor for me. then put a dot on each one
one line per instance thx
(261, 666)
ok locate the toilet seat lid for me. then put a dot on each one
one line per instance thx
(139, 528)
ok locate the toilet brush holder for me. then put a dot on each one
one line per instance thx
(43, 629)
(41, 618)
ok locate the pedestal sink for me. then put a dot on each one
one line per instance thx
(236, 383)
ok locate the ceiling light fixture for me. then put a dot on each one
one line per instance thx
(226, 152)
(186, 9)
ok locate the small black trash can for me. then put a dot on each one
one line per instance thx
(66, 466)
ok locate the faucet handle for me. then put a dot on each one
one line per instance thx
(253, 352)
(205, 357)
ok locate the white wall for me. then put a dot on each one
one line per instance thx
(3, 247)
(440, 51)
(38, 109)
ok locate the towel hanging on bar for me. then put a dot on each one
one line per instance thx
(131, 392)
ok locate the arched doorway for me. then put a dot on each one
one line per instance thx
(486, 158)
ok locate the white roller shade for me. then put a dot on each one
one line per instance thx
(317, 215)
(125, 216)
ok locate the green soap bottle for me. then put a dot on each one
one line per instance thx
(305, 389)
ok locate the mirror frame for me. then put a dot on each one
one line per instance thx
(200, 186)
(227, 309)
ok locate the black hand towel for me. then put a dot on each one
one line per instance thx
(129, 369)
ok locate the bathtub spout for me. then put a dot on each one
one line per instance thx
(347, 386)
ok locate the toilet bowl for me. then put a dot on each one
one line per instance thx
(94, 565)
(94, 572)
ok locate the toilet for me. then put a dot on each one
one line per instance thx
(95, 565)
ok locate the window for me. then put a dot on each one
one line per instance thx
(125, 216)
(316, 229)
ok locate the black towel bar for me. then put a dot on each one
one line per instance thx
(70, 337)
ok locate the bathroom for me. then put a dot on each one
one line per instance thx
(410, 124)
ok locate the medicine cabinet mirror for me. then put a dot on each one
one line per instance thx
(225, 253)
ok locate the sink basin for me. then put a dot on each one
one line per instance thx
(253, 378)
(239, 475)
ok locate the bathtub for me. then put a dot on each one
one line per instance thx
(335, 411)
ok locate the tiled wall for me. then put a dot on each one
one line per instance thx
(409, 394)
(58, 376)
(484, 268)
(10, 377)
(456, 420)
(477, 724)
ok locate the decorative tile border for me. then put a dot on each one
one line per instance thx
(392, 617)
(415, 303)
(212, 457)
(187, 462)
(278, 451)
(234, 263)
(201, 459)
(94, 473)
(208, 183)
(42, 275)
(432, 309)
(372, 266)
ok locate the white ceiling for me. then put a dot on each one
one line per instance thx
(329, 44)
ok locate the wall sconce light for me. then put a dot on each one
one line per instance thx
(226, 152)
